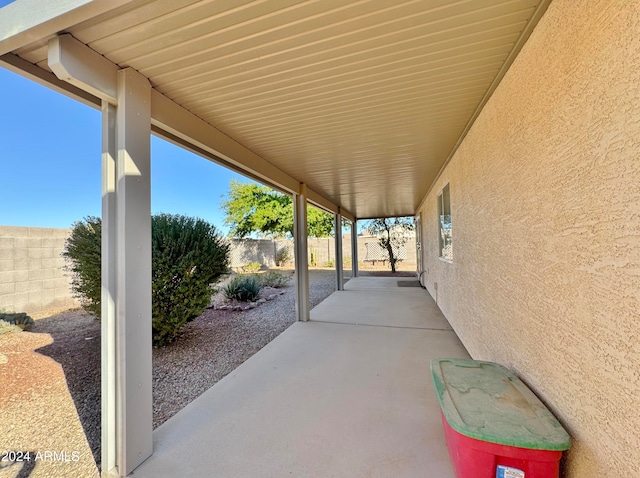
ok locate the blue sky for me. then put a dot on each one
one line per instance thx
(50, 171)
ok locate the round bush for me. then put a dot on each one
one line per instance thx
(242, 288)
(82, 251)
(188, 255)
(273, 279)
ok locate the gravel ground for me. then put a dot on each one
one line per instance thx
(210, 347)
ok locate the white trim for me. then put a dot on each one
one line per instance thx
(354, 248)
(72, 61)
(108, 299)
(134, 403)
(300, 233)
(337, 221)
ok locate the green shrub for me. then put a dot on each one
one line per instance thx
(20, 319)
(329, 264)
(313, 257)
(188, 255)
(252, 267)
(283, 256)
(273, 279)
(7, 328)
(82, 251)
(242, 288)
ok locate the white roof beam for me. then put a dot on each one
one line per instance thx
(27, 21)
(79, 65)
(74, 62)
(45, 78)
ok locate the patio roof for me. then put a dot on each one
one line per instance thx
(362, 101)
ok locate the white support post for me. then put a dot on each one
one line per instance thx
(354, 248)
(134, 404)
(108, 298)
(300, 233)
(338, 237)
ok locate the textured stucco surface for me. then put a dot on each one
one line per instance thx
(545, 198)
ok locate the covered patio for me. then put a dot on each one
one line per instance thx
(347, 393)
(507, 128)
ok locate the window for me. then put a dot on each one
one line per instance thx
(444, 217)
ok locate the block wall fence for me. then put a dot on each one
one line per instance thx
(32, 275)
(33, 278)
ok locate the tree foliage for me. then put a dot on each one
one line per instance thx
(392, 234)
(188, 255)
(252, 208)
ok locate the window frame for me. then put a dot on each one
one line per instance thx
(445, 247)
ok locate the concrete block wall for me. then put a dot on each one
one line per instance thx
(244, 251)
(32, 278)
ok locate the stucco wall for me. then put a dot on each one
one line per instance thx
(545, 198)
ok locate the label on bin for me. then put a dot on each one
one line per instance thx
(508, 472)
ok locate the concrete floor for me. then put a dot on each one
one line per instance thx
(348, 394)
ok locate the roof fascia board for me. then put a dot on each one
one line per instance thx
(27, 21)
(520, 42)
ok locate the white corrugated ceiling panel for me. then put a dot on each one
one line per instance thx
(362, 100)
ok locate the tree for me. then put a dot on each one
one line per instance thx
(251, 208)
(392, 234)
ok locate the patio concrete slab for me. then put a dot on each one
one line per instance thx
(380, 301)
(321, 400)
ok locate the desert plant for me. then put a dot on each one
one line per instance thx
(20, 319)
(313, 257)
(188, 255)
(7, 328)
(242, 288)
(283, 256)
(329, 264)
(273, 279)
(252, 267)
(82, 251)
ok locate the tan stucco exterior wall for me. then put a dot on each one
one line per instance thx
(545, 198)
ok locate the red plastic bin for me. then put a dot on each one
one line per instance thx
(494, 425)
